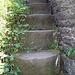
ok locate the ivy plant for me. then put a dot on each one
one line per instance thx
(69, 52)
(13, 15)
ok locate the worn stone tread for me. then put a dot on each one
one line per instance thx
(40, 38)
(37, 55)
(41, 21)
(39, 8)
(37, 63)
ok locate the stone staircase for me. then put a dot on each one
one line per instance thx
(43, 35)
(38, 63)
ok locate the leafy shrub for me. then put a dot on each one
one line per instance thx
(12, 26)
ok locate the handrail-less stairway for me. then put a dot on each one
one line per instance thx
(38, 63)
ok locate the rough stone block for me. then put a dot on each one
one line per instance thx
(68, 14)
(73, 31)
(73, 56)
(37, 63)
(58, 2)
(70, 41)
(67, 40)
(63, 7)
(66, 23)
(65, 31)
(69, 65)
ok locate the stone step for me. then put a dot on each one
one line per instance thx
(37, 63)
(39, 39)
(34, 1)
(41, 21)
(39, 8)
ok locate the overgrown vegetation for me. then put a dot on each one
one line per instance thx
(55, 46)
(69, 51)
(12, 27)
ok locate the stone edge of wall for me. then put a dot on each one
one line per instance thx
(64, 13)
(69, 65)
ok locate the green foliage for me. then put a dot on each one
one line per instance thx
(69, 52)
(6, 66)
(14, 26)
(54, 46)
(55, 28)
(13, 14)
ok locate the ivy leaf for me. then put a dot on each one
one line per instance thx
(6, 60)
(23, 15)
(0, 34)
(24, 38)
(17, 45)
(11, 58)
(1, 71)
(6, 70)
(18, 22)
(9, 38)
(23, 8)
(18, 70)
(23, 33)
(73, 51)
(16, 34)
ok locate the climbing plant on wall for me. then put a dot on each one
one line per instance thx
(12, 27)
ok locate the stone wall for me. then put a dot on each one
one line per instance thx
(69, 65)
(64, 13)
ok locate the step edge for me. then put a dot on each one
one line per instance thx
(40, 30)
(40, 15)
(37, 3)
